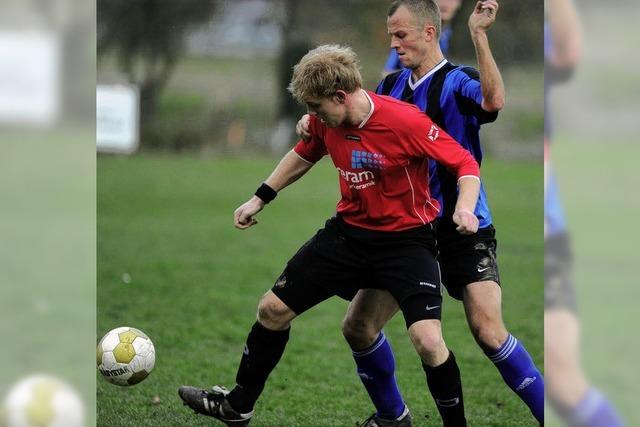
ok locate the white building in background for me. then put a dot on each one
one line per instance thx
(117, 118)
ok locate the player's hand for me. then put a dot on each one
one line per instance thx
(466, 221)
(243, 216)
(483, 15)
(302, 128)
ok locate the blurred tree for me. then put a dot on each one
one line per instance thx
(516, 37)
(147, 38)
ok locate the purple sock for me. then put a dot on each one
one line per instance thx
(521, 375)
(376, 368)
(594, 410)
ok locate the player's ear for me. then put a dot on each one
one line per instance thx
(340, 96)
(429, 32)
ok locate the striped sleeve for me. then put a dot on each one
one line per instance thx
(469, 96)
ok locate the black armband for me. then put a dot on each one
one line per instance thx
(266, 193)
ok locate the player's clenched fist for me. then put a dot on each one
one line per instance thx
(483, 15)
(466, 221)
(243, 216)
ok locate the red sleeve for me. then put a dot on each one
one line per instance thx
(314, 149)
(425, 138)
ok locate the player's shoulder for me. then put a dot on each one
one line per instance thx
(463, 73)
(396, 114)
(389, 81)
(390, 106)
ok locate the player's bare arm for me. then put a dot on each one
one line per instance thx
(481, 19)
(290, 168)
(464, 216)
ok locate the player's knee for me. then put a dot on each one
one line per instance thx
(429, 345)
(359, 332)
(490, 335)
(273, 313)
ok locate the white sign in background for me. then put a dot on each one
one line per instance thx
(29, 78)
(117, 118)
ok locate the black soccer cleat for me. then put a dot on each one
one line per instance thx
(403, 420)
(213, 403)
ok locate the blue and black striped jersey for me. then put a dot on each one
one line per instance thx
(451, 96)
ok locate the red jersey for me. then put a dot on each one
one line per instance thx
(383, 164)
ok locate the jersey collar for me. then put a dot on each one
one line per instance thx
(413, 86)
(366, 119)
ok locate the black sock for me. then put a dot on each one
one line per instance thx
(445, 386)
(261, 354)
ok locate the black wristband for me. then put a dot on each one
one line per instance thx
(266, 193)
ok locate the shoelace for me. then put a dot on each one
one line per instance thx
(212, 404)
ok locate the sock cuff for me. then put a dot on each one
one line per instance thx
(447, 364)
(505, 350)
(373, 347)
(269, 334)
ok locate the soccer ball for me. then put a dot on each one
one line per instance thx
(125, 356)
(42, 401)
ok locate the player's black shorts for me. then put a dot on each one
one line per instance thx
(341, 259)
(558, 284)
(466, 259)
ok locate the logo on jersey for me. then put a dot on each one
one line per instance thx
(362, 179)
(366, 160)
(433, 134)
(355, 138)
(358, 180)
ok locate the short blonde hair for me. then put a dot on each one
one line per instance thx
(325, 70)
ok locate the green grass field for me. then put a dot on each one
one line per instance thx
(195, 283)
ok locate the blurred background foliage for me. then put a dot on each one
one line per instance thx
(212, 74)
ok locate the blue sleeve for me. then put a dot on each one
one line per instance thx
(469, 96)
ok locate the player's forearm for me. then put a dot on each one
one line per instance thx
(290, 169)
(493, 93)
(468, 191)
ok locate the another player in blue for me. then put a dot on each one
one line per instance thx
(459, 99)
(448, 10)
(569, 392)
